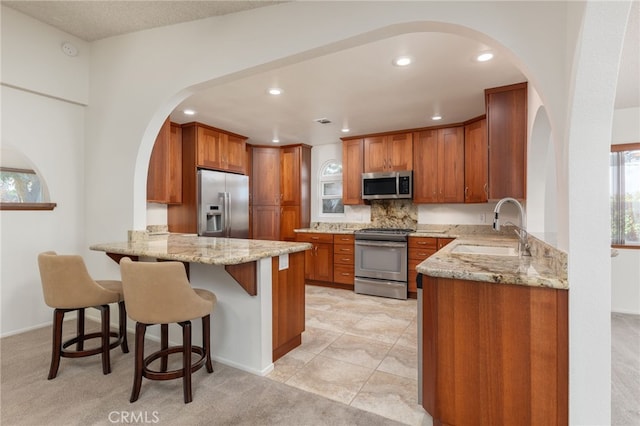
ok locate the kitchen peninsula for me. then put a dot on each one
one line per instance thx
(259, 285)
(494, 333)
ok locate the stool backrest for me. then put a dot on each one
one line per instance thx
(66, 283)
(160, 293)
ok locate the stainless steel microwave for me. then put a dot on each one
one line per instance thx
(387, 185)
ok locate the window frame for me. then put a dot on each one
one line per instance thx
(622, 148)
(323, 179)
(24, 206)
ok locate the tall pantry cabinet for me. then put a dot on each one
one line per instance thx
(281, 190)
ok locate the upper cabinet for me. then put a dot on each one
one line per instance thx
(352, 166)
(439, 173)
(164, 178)
(217, 149)
(388, 153)
(507, 136)
(476, 156)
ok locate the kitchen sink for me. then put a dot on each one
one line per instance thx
(486, 250)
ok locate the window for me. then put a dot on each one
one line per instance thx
(625, 195)
(21, 187)
(331, 189)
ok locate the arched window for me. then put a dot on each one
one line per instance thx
(21, 188)
(331, 189)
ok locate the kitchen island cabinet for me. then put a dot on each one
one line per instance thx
(493, 333)
(419, 249)
(259, 286)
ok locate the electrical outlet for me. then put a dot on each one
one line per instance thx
(483, 217)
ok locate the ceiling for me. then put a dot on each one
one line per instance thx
(358, 88)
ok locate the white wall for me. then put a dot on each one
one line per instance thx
(625, 268)
(37, 81)
(572, 63)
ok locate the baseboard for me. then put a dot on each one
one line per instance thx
(624, 311)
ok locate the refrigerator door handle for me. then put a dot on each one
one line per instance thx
(227, 213)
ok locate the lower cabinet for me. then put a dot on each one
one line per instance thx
(494, 353)
(420, 248)
(343, 259)
(265, 222)
(288, 304)
(318, 260)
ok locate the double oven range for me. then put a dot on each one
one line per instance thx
(381, 262)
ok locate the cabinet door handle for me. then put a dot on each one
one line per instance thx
(486, 189)
(422, 243)
(315, 238)
(346, 274)
(466, 191)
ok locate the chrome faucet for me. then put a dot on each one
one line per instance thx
(521, 231)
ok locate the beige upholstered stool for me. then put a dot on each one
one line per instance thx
(160, 293)
(67, 287)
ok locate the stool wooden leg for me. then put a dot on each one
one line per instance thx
(106, 350)
(186, 361)
(56, 345)
(80, 332)
(164, 344)
(206, 341)
(122, 311)
(139, 361)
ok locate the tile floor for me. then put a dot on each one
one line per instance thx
(359, 350)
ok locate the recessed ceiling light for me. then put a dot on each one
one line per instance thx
(402, 61)
(275, 91)
(189, 112)
(345, 130)
(484, 57)
(436, 117)
(275, 140)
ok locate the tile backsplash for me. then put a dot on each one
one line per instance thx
(394, 214)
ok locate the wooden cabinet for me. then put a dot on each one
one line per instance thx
(343, 259)
(420, 248)
(494, 353)
(352, 167)
(439, 166)
(203, 147)
(280, 181)
(295, 189)
(388, 153)
(265, 193)
(219, 150)
(266, 222)
(265, 176)
(507, 138)
(288, 295)
(164, 178)
(476, 162)
(318, 260)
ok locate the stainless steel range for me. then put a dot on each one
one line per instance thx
(381, 262)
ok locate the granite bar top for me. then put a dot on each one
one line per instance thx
(546, 267)
(207, 250)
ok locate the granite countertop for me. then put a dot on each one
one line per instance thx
(546, 267)
(207, 250)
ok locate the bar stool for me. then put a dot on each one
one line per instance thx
(160, 293)
(67, 287)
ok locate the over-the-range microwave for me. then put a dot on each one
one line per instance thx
(387, 185)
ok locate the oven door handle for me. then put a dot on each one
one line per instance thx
(381, 244)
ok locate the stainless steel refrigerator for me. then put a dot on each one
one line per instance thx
(223, 204)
